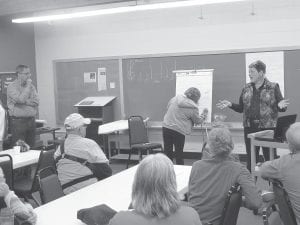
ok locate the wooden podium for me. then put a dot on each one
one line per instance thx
(100, 110)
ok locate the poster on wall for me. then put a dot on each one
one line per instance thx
(201, 79)
(274, 66)
(102, 79)
(89, 77)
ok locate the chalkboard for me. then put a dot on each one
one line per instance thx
(71, 88)
(149, 83)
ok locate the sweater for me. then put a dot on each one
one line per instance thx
(286, 169)
(210, 181)
(184, 215)
(182, 113)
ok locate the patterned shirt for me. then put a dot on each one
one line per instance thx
(260, 106)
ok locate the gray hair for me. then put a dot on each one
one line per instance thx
(21, 68)
(193, 94)
(220, 142)
(293, 137)
(154, 189)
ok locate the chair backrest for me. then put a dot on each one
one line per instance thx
(285, 208)
(232, 206)
(137, 130)
(46, 159)
(7, 168)
(50, 186)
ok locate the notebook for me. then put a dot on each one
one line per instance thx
(283, 123)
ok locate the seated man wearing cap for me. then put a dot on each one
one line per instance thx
(80, 161)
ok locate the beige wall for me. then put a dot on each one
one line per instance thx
(16, 46)
(226, 28)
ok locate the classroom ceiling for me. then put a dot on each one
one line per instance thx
(10, 7)
(28, 7)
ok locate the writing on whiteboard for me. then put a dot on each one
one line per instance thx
(201, 79)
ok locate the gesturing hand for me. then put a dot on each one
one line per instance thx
(28, 82)
(222, 104)
(204, 114)
(283, 103)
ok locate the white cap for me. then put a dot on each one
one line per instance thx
(76, 120)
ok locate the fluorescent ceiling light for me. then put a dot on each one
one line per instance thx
(125, 9)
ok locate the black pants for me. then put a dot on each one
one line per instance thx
(23, 128)
(173, 138)
(266, 151)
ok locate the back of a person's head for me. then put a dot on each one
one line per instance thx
(193, 94)
(293, 137)
(220, 142)
(154, 190)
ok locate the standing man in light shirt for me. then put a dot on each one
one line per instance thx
(22, 103)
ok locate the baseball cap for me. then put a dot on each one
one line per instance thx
(76, 120)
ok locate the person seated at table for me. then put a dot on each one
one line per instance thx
(24, 212)
(80, 160)
(212, 177)
(286, 168)
(154, 197)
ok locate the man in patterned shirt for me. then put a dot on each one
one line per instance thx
(260, 102)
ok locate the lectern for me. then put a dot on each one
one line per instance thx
(100, 110)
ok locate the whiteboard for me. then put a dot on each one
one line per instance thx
(274, 66)
(201, 79)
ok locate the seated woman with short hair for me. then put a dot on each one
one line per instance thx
(212, 177)
(154, 196)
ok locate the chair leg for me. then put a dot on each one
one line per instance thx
(128, 160)
(26, 199)
(35, 200)
(140, 155)
(31, 196)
